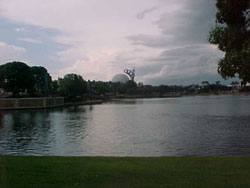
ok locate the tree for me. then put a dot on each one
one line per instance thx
(42, 79)
(217, 83)
(16, 77)
(117, 87)
(232, 35)
(101, 88)
(130, 87)
(2, 75)
(54, 87)
(72, 85)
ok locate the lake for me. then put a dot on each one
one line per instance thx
(200, 125)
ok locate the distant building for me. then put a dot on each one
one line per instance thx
(204, 83)
(235, 86)
(120, 78)
(130, 73)
(140, 84)
(123, 78)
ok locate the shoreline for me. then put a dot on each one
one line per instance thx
(82, 103)
(44, 105)
(175, 96)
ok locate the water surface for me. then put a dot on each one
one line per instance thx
(202, 125)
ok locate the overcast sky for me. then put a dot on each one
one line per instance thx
(165, 41)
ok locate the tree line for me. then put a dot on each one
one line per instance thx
(18, 77)
(21, 80)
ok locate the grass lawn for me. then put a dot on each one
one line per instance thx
(119, 172)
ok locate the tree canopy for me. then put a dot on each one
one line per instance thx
(232, 35)
(41, 78)
(16, 77)
(72, 85)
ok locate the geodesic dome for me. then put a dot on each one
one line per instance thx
(120, 78)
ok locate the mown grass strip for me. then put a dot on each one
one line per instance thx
(131, 172)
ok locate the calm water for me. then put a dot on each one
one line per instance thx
(214, 125)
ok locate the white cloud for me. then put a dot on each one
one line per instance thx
(104, 37)
(94, 66)
(19, 29)
(30, 40)
(11, 53)
(87, 27)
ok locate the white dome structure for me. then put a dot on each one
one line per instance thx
(120, 78)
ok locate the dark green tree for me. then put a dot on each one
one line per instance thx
(16, 77)
(130, 87)
(232, 35)
(72, 85)
(101, 88)
(2, 75)
(117, 87)
(42, 79)
(54, 87)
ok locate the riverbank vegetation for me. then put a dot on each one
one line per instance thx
(19, 80)
(25, 171)
(232, 36)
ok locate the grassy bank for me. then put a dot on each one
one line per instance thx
(91, 172)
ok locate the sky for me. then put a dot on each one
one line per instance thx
(165, 41)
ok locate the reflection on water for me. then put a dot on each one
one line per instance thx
(211, 125)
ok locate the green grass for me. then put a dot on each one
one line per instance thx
(119, 172)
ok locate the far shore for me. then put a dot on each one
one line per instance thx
(98, 100)
(174, 95)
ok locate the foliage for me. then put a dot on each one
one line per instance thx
(118, 87)
(16, 77)
(39, 74)
(101, 88)
(2, 76)
(232, 35)
(245, 89)
(72, 85)
(130, 87)
(54, 87)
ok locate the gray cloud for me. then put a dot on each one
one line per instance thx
(187, 56)
(192, 23)
(182, 65)
(142, 14)
(189, 25)
(149, 69)
(158, 41)
(170, 37)
(195, 79)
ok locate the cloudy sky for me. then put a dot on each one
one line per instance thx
(165, 41)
